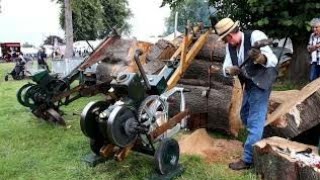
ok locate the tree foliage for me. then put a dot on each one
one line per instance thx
(50, 40)
(278, 18)
(94, 19)
(190, 10)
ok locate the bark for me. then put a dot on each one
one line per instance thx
(299, 67)
(216, 105)
(297, 114)
(212, 50)
(272, 163)
(69, 30)
(119, 58)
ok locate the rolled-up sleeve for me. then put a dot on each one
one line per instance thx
(227, 61)
(272, 60)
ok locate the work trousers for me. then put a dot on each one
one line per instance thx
(253, 115)
(314, 71)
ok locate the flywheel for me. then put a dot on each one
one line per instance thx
(89, 119)
(121, 126)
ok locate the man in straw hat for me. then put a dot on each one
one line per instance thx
(256, 76)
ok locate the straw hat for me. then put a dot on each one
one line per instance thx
(225, 26)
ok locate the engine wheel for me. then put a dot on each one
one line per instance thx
(22, 93)
(89, 117)
(152, 113)
(167, 156)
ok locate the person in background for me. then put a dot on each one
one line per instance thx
(42, 59)
(256, 76)
(314, 49)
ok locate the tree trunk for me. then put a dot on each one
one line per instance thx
(216, 105)
(69, 29)
(299, 67)
(275, 159)
(299, 113)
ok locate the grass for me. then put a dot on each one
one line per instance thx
(33, 149)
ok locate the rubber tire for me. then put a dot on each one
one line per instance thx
(164, 164)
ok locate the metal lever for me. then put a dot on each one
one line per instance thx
(143, 74)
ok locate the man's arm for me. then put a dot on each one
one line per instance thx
(227, 62)
(272, 60)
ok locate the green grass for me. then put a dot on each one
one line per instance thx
(33, 149)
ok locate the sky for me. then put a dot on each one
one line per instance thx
(33, 20)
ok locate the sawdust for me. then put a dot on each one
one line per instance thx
(211, 149)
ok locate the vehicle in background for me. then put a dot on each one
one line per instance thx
(10, 50)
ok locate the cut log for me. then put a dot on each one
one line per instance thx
(300, 113)
(119, 58)
(212, 50)
(276, 158)
(199, 70)
(216, 104)
(279, 97)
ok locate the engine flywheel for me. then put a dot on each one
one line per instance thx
(89, 116)
(121, 126)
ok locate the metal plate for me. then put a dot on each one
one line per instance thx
(119, 117)
(89, 116)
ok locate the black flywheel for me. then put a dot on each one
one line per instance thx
(89, 117)
(167, 156)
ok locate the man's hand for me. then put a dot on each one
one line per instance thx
(233, 70)
(257, 56)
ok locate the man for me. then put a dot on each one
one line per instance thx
(41, 59)
(314, 49)
(257, 73)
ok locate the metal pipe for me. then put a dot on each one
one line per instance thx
(143, 74)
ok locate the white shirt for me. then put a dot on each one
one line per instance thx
(314, 39)
(256, 35)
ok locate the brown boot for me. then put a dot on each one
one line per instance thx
(239, 165)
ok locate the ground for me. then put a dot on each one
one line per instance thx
(33, 149)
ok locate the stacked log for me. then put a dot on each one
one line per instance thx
(197, 79)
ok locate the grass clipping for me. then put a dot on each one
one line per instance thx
(211, 149)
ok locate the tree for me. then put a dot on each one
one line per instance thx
(50, 40)
(27, 45)
(94, 19)
(193, 11)
(68, 29)
(278, 18)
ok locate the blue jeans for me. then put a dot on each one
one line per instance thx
(314, 71)
(253, 115)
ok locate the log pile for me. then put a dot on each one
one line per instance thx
(218, 101)
(215, 97)
(277, 158)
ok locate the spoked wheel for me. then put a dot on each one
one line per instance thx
(22, 93)
(89, 117)
(152, 113)
(34, 96)
(167, 156)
